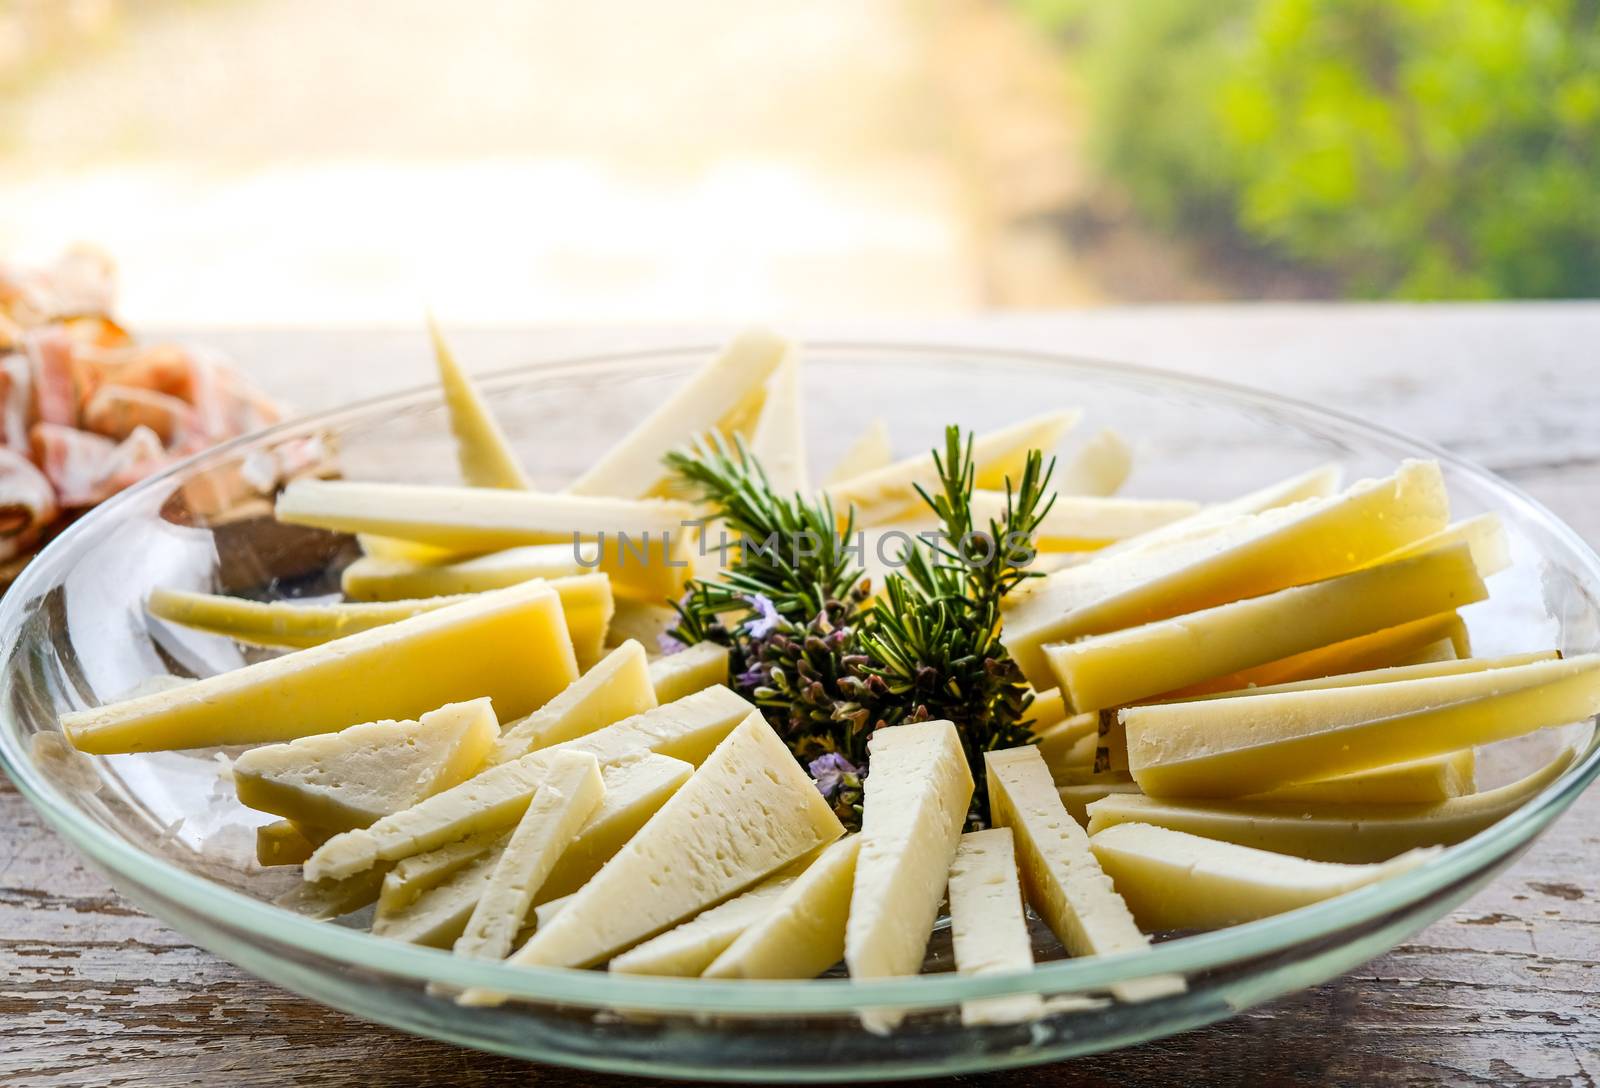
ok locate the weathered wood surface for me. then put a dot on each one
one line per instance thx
(1505, 991)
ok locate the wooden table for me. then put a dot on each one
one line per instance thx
(1504, 991)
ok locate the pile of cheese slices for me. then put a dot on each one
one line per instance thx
(1242, 708)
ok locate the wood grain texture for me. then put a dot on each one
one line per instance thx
(1505, 991)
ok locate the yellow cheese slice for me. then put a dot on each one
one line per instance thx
(1059, 873)
(361, 774)
(1422, 670)
(1316, 483)
(1441, 650)
(641, 621)
(1082, 523)
(1381, 649)
(1136, 663)
(1172, 880)
(1255, 743)
(1252, 555)
(569, 795)
(802, 935)
(1047, 710)
(711, 399)
(685, 950)
(409, 551)
(1098, 467)
(1419, 781)
(691, 669)
(286, 624)
(284, 842)
(486, 457)
(689, 730)
(511, 646)
(438, 915)
(890, 493)
(987, 926)
(1335, 832)
(391, 578)
(915, 805)
(617, 688)
(1076, 797)
(1063, 746)
(778, 442)
(869, 452)
(750, 808)
(1485, 535)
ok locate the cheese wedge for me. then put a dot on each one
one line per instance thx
(1082, 523)
(286, 624)
(1252, 555)
(987, 926)
(1137, 663)
(692, 669)
(390, 578)
(869, 452)
(361, 774)
(486, 457)
(1335, 832)
(438, 915)
(717, 397)
(1254, 743)
(511, 646)
(1316, 483)
(284, 842)
(634, 790)
(689, 730)
(1382, 649)
(749, 810)
(617, 688)
(1172, 880)
(1418, 782)
(802, 935)
(915, 805)
(778, 442)
(1098, 467)
(686, 950)
(1059, 873)
(890, 493)
(565, 800)
(478, 518)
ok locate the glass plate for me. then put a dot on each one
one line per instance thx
(166, 829)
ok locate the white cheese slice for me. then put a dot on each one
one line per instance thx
(1172, 880)
(802, 935)
(566, 799)
(437, 916)
(749, 810)
(869, 452)
(915, 803)
(361, 774)
(1098, 467)
(987, 926)
(692, 669)
(705, 402)
(486, 457)
(685, 950)
(511, 645)
(616, 688)
(411, 876)
(688, 729)
(1059, 873)
(890, 493)
(778, 442)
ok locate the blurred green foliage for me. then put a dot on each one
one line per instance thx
(1414, 148)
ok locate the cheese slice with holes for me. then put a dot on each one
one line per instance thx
(487, 459)
(692, 669)
(1136, 663)
(1245, 557)
(715, 398)
(748, 811)
(616, 688)
(802, 935)
(570, 793)
(1173, 880)
(890, 493)
(361, 774)
(778, 442)
(685, 950)
(915, 805)
(987, 926)
(511, 646)
(1059, 873)
(1254, 743)
(869, 452)
(1332, 832)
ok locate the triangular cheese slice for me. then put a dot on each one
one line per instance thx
(689, 670)
(358, 775)
(618, 687)
(750, 809)
(779, 440)
(688, 949)
(486, 457)
(803, 934)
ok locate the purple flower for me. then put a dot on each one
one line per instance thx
(667, 644)
(767, 620)
(753, 677)
(830, 771)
